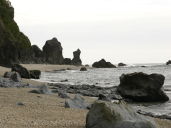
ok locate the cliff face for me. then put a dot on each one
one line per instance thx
(14, 45)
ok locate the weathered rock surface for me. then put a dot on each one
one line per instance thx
(42, 90)
(53, 51)
(63, 94)
(168, 62)
(24, 73)
(6, 83)
(77, 102)
(83, 69)
(87, 90)
(155, 115)
(103, 64)
(142, 87)
(76, 58)
(15, 76)
(116, 115)
(35, 74)
(121, 64)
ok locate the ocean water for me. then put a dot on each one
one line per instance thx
(110, 77)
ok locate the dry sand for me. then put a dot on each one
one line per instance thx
(42, 111)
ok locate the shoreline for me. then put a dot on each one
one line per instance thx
(51, 112)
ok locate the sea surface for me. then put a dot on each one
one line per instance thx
(110, 77)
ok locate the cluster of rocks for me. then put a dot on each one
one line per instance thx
(24, 73)
(86, 90)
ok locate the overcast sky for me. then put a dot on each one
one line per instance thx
(130, 31)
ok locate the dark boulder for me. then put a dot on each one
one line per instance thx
(15, 76)
(77, 102)
(67, 61)
(103, 64)
(52, 51)
(76, 60)
(83, 69)
(116, 115)
(24, 73)
(168, 62)
(142, 87)
(121, 64)
(35, 74)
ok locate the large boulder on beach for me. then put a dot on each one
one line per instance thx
(15, 76)
(52, 51)
(116, 115)
(78, 102)
(103, 64)
(24, 73)
(168, 62)
(142, 87)
(76, 57)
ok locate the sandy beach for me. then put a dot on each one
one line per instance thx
(42, 111)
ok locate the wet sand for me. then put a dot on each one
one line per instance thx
(42, 111)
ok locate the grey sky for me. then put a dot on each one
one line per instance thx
(131, 31)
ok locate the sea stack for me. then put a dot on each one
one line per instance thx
(76, 57)
(52, 51)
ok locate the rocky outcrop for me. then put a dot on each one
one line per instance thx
(24, 73)
(38, 56)
(67, 61)
(52, 51)
(116, 115)
(15, 47)
(78, 102)
(86, 90)
(35, 74)
(103, 64)
(142, 87)
(168, 62)
(76, 58)
(121, 64)
(15, 76)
